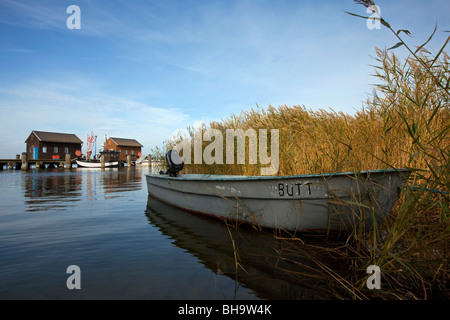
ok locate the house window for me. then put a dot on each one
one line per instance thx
(66, 150)
(55, 149)
(126, 151)
(132, 152)
(44, 149)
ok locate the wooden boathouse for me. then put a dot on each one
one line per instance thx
(52, 145)
(127, 147)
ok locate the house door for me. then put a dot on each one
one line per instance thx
(35, 153)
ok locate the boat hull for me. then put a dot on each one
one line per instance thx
(92, 164)
(307, 203)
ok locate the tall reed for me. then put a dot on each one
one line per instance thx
(404, 123)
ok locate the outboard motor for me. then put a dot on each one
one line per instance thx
(174, 163)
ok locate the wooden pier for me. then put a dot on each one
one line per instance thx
(23, 163)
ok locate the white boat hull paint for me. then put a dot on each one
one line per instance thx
(85, 164)
(307, 203)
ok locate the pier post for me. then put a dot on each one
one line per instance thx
(102, 160)
(68, 161)
(24, 161)
(129, 160)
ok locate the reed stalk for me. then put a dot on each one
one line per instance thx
(403, 124)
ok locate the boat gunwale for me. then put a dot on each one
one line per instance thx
(212, 177)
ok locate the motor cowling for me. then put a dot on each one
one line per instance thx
(174, 163)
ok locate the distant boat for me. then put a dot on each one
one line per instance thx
(315, 203)
(96, 164)
(144, 160)
(111, 159)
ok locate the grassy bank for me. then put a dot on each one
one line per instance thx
(403, 124)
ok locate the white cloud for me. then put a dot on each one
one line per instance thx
(47, 107)
(206, 58)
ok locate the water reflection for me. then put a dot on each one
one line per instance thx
(126, 179)
(262, 267)
(51, 190)
(59, 189)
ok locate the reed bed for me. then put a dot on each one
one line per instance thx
(403, 124)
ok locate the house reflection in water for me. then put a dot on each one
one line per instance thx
(125, 179)
(56, 191)
(59, 190)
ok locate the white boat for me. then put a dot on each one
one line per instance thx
(147, 160)
(96, 164)
(316, 203)
(110, 159)
(143, 160)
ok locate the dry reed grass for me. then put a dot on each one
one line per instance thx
(404, 123)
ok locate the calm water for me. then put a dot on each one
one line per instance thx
(126, 245)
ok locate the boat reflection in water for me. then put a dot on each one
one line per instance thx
(263, 265)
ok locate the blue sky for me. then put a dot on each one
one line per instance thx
(143, 69)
